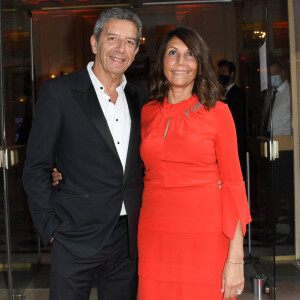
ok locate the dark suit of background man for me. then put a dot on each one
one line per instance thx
(87, 124)
(236, 100)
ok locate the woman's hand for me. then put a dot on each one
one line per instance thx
(233, 272)
(233, 279)
(56, 177)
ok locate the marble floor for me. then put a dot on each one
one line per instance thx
(288, 284)
(286, 290)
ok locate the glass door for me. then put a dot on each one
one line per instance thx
(270, 142)
(19, 246)
(255, 67)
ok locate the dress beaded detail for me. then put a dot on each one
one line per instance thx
(186, 221)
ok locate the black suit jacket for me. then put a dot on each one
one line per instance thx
(236, 101)
(69, 131)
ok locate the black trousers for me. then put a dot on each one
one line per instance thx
(113, 271)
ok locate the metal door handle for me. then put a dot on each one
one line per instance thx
(8, 158)
(271, 149)
(14, 159)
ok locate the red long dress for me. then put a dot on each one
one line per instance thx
(186, 221)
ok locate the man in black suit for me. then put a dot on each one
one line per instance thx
(87, 124)
(236, 100)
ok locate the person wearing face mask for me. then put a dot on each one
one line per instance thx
(279, 102)
(280, 99)
(236, 100)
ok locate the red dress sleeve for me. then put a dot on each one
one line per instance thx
(234, 199)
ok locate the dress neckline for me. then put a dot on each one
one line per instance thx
(170, 110)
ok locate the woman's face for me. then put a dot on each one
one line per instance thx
(180, 66)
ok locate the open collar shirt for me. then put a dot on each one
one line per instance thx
(117, 116)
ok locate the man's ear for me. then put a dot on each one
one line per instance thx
(94, 44)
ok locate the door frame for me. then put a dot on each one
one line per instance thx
(295, 80)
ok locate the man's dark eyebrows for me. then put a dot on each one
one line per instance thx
(133, 38)
(115, 34)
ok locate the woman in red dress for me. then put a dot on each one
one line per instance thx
(190, 232)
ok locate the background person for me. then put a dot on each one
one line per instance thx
(236, 100)
(279, 102)
(88, 125)
(190, 234)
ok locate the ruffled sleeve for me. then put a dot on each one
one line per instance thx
(235, 204)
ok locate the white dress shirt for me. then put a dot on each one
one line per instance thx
(282, 110)
(117, 117)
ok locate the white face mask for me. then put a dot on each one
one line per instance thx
(276, 81)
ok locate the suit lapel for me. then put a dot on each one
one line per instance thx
(134, 140)
(90, 105)
(229, 92)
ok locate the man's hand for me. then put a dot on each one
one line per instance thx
(52, 239)
(56, 177)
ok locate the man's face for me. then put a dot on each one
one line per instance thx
(277, 76)
(223, 70)
(225, 76)
(116, 48)
(275, 70)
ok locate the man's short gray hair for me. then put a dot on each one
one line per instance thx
(117, 14)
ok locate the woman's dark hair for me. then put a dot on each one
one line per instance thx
(206, 85)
